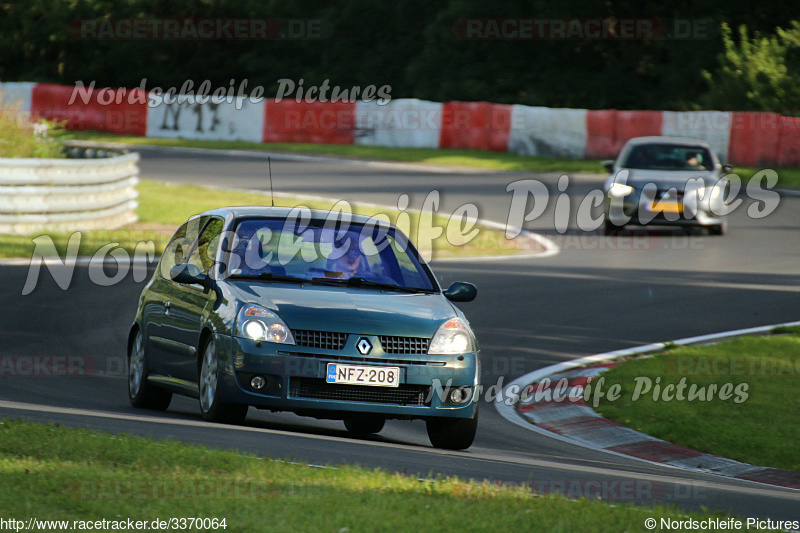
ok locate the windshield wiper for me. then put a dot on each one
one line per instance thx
(363, 282)
(269, 276)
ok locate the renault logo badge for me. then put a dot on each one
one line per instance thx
(364, 346)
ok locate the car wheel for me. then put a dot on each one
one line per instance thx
(609, 228)
(211, 408)
(365, 424)
(140, 392)
(452, 433)
(718, 229)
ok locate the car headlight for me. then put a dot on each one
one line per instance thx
(255, 322)
(711, 193)
(618, 190)
(452, 338)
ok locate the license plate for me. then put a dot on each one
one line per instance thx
(374, 376)
(666, 207)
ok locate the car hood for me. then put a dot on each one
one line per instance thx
(348, 309)
(668, 179)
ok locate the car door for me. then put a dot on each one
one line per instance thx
(184, 318)
(164, 347)
(159, 297)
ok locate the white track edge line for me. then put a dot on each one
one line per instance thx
(550, 248)
(507, 411)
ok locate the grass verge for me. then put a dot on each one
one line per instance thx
(20, 136)
(58, 473)
(162, 207)
(780, 330)
(761, 430)
(787, 177)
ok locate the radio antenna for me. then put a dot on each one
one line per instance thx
(271, 194)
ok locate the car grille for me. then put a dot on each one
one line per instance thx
(405, 394)
(410, 345)
(325, 340)
(660, 193)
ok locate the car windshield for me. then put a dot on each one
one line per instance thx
(668, 157)
(373, 255)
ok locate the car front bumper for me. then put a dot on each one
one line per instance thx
(634, 210)
(295, 381)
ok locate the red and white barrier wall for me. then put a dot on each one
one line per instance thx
(744, 138)
(126, 115)
(17, 95)
(239, 120)
(404, 123)
(548, 132)
(288, 121)
(476, 126)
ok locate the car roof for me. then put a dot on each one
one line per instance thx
(256, 211)
(669, 140)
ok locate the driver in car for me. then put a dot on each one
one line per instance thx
(351, 264)
(693, 161)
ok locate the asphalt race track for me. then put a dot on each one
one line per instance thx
(598, 294)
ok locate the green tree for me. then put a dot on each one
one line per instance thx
(761, 73)
(415, 46)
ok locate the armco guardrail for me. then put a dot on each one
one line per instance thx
(91, 190)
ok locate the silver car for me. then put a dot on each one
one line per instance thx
(671, 181)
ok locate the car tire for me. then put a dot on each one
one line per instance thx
(609, 228)
(452, 433)
(718, 229)
(364, 424)
(141, 393)
(211, 407)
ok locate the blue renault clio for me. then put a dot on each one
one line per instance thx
(324, 314)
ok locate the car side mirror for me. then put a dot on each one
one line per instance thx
(608, 164)
(188, 274)
(461, 291)
(727, 169)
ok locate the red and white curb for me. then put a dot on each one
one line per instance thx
(570, 419)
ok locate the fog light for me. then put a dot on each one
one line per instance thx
(459, 395)
(258, 382)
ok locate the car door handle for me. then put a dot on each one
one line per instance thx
(167, 305)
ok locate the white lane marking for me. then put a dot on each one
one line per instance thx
(549, 247)
(283, 156)
(478, 456)
(788, 192)
(508, 412)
